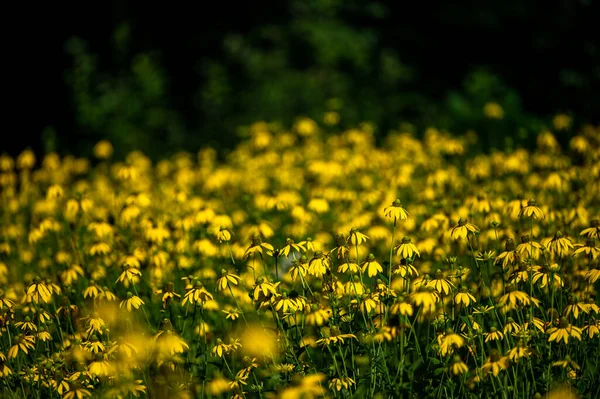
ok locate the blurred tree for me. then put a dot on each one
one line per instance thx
(185, 86)
(130, 108)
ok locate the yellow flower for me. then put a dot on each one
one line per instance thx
(309, 386)
(369, 303)
(563, 332)
(103, 149)
(76, 391)
(285, 305)
(406, 249)
(44, 335)
(593, 231)
(100, 248)
(5, 371)
(493, 335)
(356, 237)
(559, 245)
(401, 307)
(319, 264)
(231, 314)
(548, 274)
(425, 298)
(593, 275)
(259, 342)
(348, 267)
(223, 235)
(318, 316)
(458, 367)
(39, 291)
(440, 284)
(168, 294)
(291, 247)
(331, 118)
(371, 266)
(319, 205)
(528, 248)
(26, 160)
(495, 363)
(405, 268)
(129, 274)
(333, 336)
(396, 211)
(264, 289)
(337, 384)
(561, 121)
(493, 110)
(196, 295)
(462, 229)
(220, 349)
(464, 297)
(226, 279)
(132, 301)
(514, 298)
(218, 386)
(72, 274)
(257, 246)
(449, 342)
(531, 211)
(23, 343)
(575, 307)
(5, 303)
(520, 351)
(299, 268)
(100, 367)
(589, 248)
(55, 192)
(26, 325)
(592, 328)
(509, 256)
(567, 362)
(94, 345)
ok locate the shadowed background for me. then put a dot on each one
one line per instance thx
(171, 77)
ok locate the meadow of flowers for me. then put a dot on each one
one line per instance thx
(308, 264)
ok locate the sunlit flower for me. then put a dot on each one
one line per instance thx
(531, 211)
(449, 342)
(258, 247)
(396, 211)
(464, 297)
(589, 248)
(406, 249)
(356, 237)
(441, 284)
(593, 231)
(563, 332)
(560, 245)
(495, 363)
(226, 280)
(462, 229)
(291, 246)
(38, 291)
(319, 264)
(458, 367)
(196, 294)
(371, 266)
(132, 301)
(337, 384)
(23, 343)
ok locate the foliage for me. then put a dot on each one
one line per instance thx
(350, 61)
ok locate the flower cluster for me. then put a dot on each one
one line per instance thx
(307, 264)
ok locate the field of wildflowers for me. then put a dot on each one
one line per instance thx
(305, 265)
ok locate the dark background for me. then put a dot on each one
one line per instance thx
(169, 76)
